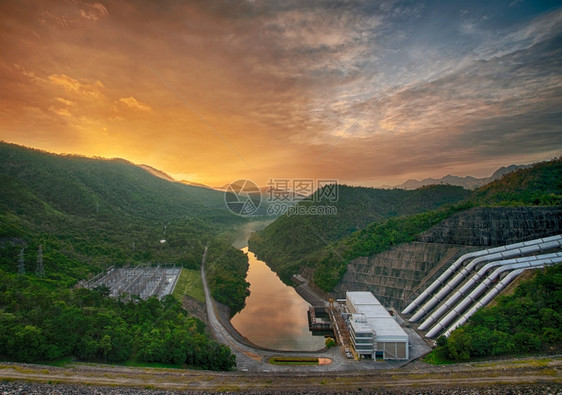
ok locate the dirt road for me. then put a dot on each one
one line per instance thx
(539, 375)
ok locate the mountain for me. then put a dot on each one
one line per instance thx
(467, 182)
(373, 221)
(157, 173)
(288, 241)
(167, 177)
(85, 215)
(538, 185)
(89, 213)
(195, 184)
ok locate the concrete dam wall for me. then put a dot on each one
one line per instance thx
(490, 227)
(396, 276)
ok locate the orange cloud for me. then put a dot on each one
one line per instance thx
(221, 91)
(93, 12)
(133, 103)
(75, 86)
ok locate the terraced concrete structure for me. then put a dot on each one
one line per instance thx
(400, 274)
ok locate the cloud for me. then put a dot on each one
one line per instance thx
(62, 107)
(93, 12)
(499, 43)
(133, 103)
(430, 88)
(64, 112)
(65, 102)
(72, 85)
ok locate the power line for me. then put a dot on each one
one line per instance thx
(21, 265)
(40, 271)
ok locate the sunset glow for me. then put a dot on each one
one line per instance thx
(365, 92)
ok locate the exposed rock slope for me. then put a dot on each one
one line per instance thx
(397, 275)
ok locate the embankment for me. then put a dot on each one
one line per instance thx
(397, 275)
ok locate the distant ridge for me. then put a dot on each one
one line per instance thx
(157, 173)
(196, 184)
(167, 177)
(467, 182)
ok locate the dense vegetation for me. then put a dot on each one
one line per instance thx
(40, 322)
(370, 221)
(103, 211)
(292, 242)
(226, 273)
(528, 320)
(331, 263)
(88, 214)
(539, 185)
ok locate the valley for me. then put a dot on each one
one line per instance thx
(270, 197)
(391, 243)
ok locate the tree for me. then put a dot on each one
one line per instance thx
(526, 341)
(27, 344)
(442, 341)
(105, 346)
(330, 342)
(459, 344)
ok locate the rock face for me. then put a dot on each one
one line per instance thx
(195, 308)
(398, 275)
(490, 227)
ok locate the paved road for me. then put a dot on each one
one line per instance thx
(244, 358)
(253, 359)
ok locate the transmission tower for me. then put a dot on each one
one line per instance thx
(21, 266)
(40, 271)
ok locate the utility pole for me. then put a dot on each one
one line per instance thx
(21, 266)
(40, 271)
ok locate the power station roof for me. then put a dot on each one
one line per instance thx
(378, 318)
(361, 298)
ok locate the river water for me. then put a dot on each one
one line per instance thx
(275, 314)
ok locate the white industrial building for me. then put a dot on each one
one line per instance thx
(373, 331)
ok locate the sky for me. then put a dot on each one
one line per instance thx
(363, 92)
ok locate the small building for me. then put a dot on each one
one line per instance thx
(373, 331)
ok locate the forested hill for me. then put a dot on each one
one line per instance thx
(322, 246)
(287, 242)
(88, 213)
(89, 187)
(539, 185)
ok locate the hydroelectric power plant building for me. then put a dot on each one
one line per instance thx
(373, 331)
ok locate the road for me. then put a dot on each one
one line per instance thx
(255, 375)
(245, 358)
(254, 359)
(533, 375)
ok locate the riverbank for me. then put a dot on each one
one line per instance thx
(307, 293)
(223, 314)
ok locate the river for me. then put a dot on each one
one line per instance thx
(275, 314)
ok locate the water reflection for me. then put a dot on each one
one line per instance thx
(275, 315)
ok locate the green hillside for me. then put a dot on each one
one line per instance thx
(526, 321)
(538, 185)
(88, 214)
(289, 243)
(324, 245)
